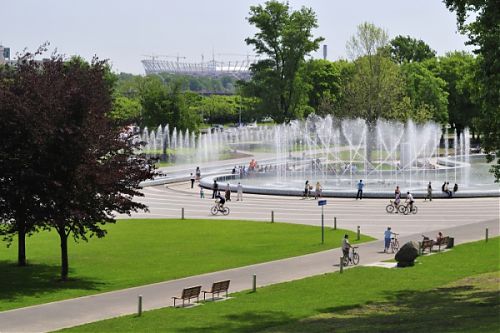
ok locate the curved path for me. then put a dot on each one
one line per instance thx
(166, 201)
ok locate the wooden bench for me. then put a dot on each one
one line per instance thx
(429, 244)
(217, 288)
(188, 294)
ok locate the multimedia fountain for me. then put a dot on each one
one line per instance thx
(337, 153)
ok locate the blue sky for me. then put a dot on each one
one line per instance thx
(123, 31)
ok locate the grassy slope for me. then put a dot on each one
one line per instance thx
(360, 300)
(138, 252)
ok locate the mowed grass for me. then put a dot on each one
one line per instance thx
(138, 252)
(453, 291)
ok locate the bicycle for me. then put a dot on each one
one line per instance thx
(405, 209)
(217, 209)
(394, 243)
(391, 207)
(354, 258)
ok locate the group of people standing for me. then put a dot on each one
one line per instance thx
(308, 189)
(227, 191)
(445, 188)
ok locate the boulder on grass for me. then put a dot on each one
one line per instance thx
(407, 254)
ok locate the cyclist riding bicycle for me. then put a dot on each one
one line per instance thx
(410, 200)
(220, 201)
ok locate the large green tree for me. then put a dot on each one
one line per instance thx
(483, 30)
(375, 89)
(407, 49)
(283, 38)
(458, 70)
(70, 161)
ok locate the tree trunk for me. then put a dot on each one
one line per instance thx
(64, 254)
(371, 133)
(21, 247)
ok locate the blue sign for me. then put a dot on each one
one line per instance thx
(321, 202)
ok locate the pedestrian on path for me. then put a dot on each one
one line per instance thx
(191, 178)
(387, 239)
(202, 193)
(228, 193)
(215, 188)
(239, 196)
(360, 190)
(429, 192)
(198, 173)
(317, 193)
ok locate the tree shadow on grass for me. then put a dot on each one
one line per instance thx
(36, 280)
(244, 322)
(467, 307)
(453, 309)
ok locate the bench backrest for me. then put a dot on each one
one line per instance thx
(191, 292)
(427, 243)
(220, 286)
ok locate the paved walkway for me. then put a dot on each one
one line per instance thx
(57, 315)
(369, 214)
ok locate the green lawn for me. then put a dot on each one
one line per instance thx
(138, 252)
(454, 291)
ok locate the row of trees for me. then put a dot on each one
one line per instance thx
(64, 164)
(393, 79)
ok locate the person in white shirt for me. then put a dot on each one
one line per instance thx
(410, 200)
(239, 190)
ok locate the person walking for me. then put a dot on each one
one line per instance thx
(215, 188)
(202, 193)
(429, 192)
(360, 190)
(239, 189)
(198, 173)
(306, 190)
(192, 180)
(228, 193)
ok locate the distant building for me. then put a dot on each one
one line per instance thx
(215, 69)
(4, 54)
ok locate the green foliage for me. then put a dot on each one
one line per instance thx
(458, 69)
(426, 91)
(164, 104)
(144, 257)
(407, 49)
(375, 90)
(126, 109)
(283, 38)
(429, 296)
(324, 77)
(484, 32)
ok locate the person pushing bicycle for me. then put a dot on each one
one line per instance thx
(346, 246)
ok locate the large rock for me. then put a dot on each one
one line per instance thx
(407, 254)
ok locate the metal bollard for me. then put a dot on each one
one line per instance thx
(334, 223)
(272, 216)
(486, 235)
(341, 264)
(254, 283)
(358, 236)
(139, 306)
(182, 213)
